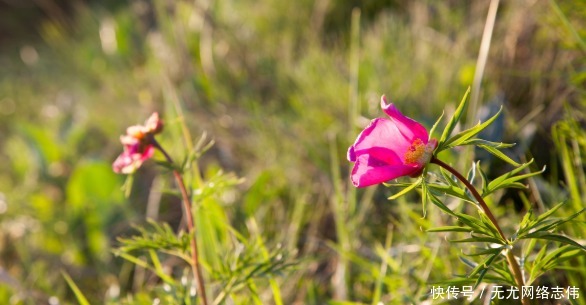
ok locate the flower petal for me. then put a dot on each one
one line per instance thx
(370, 171)
(153, 124)
(410, 128)
(383, 140)
(124, 163)
(132, 158)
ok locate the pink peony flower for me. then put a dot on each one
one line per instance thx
(390, 148)
(138, 145)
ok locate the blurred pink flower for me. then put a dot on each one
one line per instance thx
(138, 145)
(390, 148)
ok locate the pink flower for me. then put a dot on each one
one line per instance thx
(138, 145)
(390, 148)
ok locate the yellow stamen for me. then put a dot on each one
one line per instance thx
(418, 153)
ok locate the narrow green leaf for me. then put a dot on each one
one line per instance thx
(499, 154)
(477, 239)
(407, 189)
(512, 173)
(449, 229)
(541, 254)
(526, 221)
(81, 299)
(505, 276)
(424, 193)
(483, 177)
(471, 173)
(470, 263)
(450, 190)
(545, 215)
(529, 248)
(514, 185)
(535, 272)
(480, 277)
(145, 265)
(477, 225)
(509, 180)
(448, 177)
(552, 258)
(486, 263)
(555, 237)
(561, 221)
(488, 224)
(484, 252)
(434, 127)
(440, 204)
(542, 220)
(543, 224)
(477, 141)
(455, 118)
(467, 134)
(133, 260)
(159, 268)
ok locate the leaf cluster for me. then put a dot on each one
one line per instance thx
(156, 236)
(467, 137)
(544, 228)
(481, 231)
(248, 262)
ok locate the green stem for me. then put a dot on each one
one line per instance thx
(197, 275)
(511, 260)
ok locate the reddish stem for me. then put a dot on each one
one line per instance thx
(511, 260)
(197, 275)
(474, 192)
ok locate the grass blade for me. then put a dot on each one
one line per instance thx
(81, 299)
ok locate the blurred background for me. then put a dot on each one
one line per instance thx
(283, 88)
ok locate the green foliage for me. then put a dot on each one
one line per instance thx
(482, 229)
(245, 265)
(159, 237)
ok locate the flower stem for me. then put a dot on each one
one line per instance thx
(511, 260)
(197, 275)
(473, 191)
